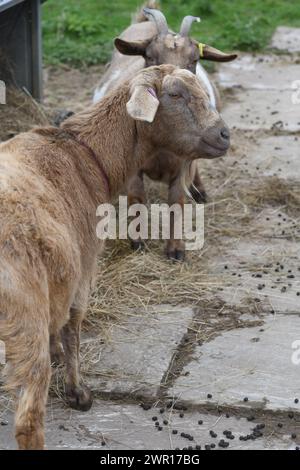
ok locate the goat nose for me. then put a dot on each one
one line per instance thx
(225, 133)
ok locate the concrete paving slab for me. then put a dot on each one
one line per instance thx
(256, 364)
(139, 351)
(266, 270)
(273, 156)
(286, 39)
(129, 427)
(263, 110)
(258, 73)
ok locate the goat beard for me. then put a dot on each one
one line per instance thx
(188, 187)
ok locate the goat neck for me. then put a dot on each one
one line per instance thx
(113, 137)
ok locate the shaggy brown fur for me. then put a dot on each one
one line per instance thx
(51, 182)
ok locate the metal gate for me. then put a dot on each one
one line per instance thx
(21, 41)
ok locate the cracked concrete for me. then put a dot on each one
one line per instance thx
(118, 426)
(252, 367)
(135, 358)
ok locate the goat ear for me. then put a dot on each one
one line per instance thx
(210, 53)
(132, 48)
(143, 104)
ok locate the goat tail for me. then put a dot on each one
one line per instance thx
(139, 16)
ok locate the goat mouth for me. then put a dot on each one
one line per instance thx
(212, 150)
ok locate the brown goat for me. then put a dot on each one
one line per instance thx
(151, 43)
(51, 183)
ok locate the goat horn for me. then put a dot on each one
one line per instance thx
(187, 23)
(210, 53)
(158, 18)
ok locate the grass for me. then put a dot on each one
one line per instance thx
(80, 32)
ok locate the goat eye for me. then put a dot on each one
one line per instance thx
(174, 95)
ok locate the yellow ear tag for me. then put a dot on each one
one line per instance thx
(201, 48)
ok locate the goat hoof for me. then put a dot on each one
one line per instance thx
(79, 398)
(176, 255)
(30, 438)
(199, 196)
(202, 197)
(138, 245)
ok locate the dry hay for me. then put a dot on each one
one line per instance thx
(21, 112)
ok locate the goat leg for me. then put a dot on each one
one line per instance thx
(197, 183)
(137, 195)
(175, 246)
(28, 368)
(78, 395)
(56, 350)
